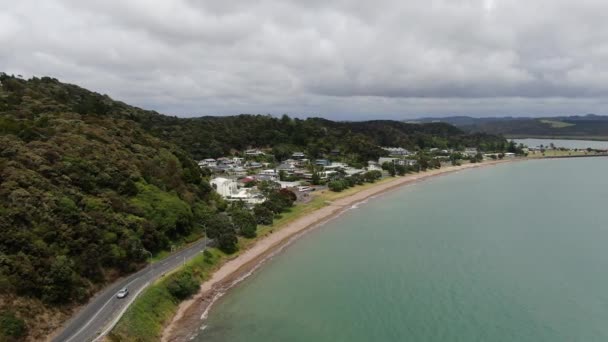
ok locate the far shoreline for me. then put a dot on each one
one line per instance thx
(552, 137)
(190, 313)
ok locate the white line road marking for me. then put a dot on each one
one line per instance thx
(131, 282)
(122, 312)
(97, 314)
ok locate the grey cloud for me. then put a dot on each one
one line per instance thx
(340, 59)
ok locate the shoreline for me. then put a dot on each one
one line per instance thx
(553, 137)
(192, 312)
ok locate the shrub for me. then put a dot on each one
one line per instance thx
(372, 176)
(182, 285)
(244, 222)
(208, 256)
(227, 242)
(263, 215)
(11, 326)
(336, 185)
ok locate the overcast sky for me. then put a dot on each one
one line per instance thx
(340, 59)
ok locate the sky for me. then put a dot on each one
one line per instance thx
(339, 59)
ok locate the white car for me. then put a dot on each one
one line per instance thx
(122, 293)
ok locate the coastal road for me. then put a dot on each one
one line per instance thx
(95, 319)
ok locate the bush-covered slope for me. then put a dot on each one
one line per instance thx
(84, 192)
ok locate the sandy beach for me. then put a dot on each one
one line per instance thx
(191, 312)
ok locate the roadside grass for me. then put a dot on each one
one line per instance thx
(155, 306)
(557, 123)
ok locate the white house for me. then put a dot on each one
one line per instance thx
(254, 152)
(285, 185)
(352, 171)
(373, 166)
(383, 160)
(247, 196)
(398, 161)
(269, 172)
(335, 166)
(224, 186)
(209, 162)
(470, 151)
(397, 151)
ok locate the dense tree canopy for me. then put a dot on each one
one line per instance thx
(216, 136)
(84, 191)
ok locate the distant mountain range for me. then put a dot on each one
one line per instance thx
(589, 126)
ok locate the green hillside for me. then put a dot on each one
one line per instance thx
(84, 192)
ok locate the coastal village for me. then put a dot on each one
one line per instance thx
(235, 178)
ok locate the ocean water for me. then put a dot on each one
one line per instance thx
(515, 252)
(580, 144)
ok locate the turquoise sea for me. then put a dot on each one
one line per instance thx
(515, 252)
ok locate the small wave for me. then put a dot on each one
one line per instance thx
(213, 300)
(357, 204)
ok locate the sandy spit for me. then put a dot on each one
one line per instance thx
(190, 313)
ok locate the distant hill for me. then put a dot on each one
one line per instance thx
(589, 126)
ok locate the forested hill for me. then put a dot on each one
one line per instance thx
(89, 185)
(207, 137)
(581, 127)
(84, 192)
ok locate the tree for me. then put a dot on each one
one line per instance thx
(336, 185)
(11, 326)
(221, 229)
(60, 281)
(400, 169)
(289, 195)
(316, 178)
(282, 175)
(216, 225)
(372, 176)
(390, 167)
(227, 241)
(182, 285)
(263, 215)
(244, 222)
(267, 187)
